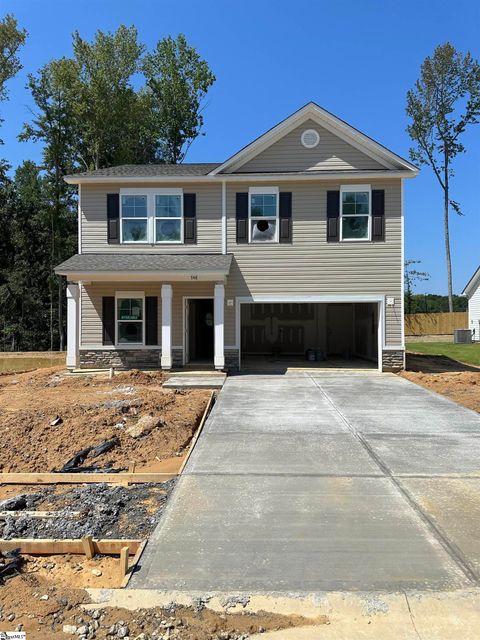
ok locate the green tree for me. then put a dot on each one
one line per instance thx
(177, 81)
(11, 39)
(54, 125)
(443, 102)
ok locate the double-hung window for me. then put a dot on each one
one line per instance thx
(151, 216)
(263, 207)
(134, 215)
(130, 318)
(168, 217)
(355, 212)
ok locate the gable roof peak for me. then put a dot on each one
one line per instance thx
(380, 153)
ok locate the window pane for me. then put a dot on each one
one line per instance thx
(262, 205)
(361, 196)
(361, 207)
(355, 228)
(263, 230)
(134, 230)
(168, 230)
(130, 309)
(130, 332)
(348, 207)
(348, 196)
(134, 206)
(168, 206)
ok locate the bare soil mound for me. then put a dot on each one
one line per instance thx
(47, 417)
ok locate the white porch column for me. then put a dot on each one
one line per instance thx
(218, 313)
(73, 295)
(166, 326)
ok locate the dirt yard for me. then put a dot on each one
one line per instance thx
(46, 417)
(457, 381)
(46, 601)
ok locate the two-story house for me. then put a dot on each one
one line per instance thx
(292, 245)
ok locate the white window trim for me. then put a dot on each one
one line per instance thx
(356, 187)
(151, 217)
(119, 295)
(263, 191)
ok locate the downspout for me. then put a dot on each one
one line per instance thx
(224, 217)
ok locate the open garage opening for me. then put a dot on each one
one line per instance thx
(281, 336)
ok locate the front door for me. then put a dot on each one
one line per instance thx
(200, 326)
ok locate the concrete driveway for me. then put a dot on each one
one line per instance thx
(324, 481)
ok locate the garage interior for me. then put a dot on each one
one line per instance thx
(280, 336)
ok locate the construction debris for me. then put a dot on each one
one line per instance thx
(97, 510)
(74, 465)
(10, 565)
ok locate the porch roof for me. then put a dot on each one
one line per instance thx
(145, 266)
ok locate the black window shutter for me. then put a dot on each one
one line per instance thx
(333, 213)
(108, 319)
(151, 320)
(190, 218)
(242, 217)
(378, 215)
(285, 210)
(113, 218)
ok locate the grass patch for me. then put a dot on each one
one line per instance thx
(468, 353)
(15, 362)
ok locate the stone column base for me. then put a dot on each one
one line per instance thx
(393, 360)
(232, 360)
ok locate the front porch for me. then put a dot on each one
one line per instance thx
(165, 319)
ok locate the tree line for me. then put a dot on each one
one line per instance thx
(111, 102)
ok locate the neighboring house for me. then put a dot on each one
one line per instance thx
(294, 243)
(472, 291)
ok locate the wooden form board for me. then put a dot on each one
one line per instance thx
(81, 478)
(198, 432)
(53, 546)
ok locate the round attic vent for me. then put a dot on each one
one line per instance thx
(310, 138)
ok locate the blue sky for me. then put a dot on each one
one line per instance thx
(356, 59)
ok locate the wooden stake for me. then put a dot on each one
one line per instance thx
(89, 549)
(135, 560)
(124, 551)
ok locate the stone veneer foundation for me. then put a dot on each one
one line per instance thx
(393, 360)
(120, 358)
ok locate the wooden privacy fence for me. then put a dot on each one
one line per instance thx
(425, 324)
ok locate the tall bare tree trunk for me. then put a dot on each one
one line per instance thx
(60, 314)
(446, 201)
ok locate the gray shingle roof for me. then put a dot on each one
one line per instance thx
(149, 170)
(106, 262)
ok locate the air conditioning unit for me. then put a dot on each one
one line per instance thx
(462, 336)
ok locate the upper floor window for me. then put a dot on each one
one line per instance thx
(134, 215)
(263, 214)
(355, 210)
(168, 218)
(151, 215)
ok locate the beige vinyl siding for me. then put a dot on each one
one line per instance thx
(289, 154)
(91, 306)
(94, 220)
(310, 265)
